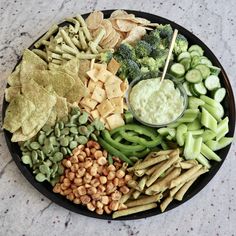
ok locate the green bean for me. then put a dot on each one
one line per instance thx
(123, 147)
(114, 151)
(110, 160)
(41, 54)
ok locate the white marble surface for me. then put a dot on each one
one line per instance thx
(24, 211)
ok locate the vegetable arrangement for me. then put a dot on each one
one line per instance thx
(68, 112)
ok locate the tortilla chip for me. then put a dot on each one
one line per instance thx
(52, 118)
(113, 66)
(61, 108)
(70, 67)
(18, 111)
(125, 25)
(18, 136)
(99, 94)
(113, 41)
(113, 90)
(117, 103)
(135, 34)
(105, 108)
(12, 92)
(115, 121)
(43, 101)
(14, 78)
(88, 102)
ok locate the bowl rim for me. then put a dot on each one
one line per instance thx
(178, 86)
(197, 187)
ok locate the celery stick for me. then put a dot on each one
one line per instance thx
(189, 116)
(208, 120)
(217, 145)
(197, 132)
(222, 128)
(197, 147)
(209, 154)
(209, 101)
(163, 131)
(203, 161)
(208, 135)
(181, 130)
(188, 148)
(216, 112)
(194, 102)
(195, 125)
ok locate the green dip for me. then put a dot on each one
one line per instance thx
(156, 103)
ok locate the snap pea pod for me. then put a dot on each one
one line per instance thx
(107, 137)
(136, 128)
(139, 154)
(141, 141)
(113, 151)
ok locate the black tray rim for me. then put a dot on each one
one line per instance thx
(61, 201)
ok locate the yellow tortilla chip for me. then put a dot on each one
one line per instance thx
(125, 25)
(117, 103)
(88, 102)
(12, 92)
(113, 66)
(105, 108)
(113, 90)
(14, 78)
(94, 20)
(115, 121)
(99, 94)
(93, 74)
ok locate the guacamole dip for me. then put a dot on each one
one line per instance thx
(156, 103)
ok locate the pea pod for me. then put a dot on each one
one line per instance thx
(123, 147)
(114, 151)
(140, 154)
(141, 141)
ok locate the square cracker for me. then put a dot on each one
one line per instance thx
(93, 74)
(105, 108)
(103, 75)
(95, 114)
(99, 94)
(88, 102)
(113, 66)
(91, 85)
(115, 121)
(99, 66)
(113, 90)
(117, 104)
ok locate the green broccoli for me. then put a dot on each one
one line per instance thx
(126, 51)
(150, 63)
(159, 53)
(152, 39)
(166, 31)
(142, 49)
(181, 44)
(105, 57)
(129, 69)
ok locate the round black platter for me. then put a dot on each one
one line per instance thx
(229, 106)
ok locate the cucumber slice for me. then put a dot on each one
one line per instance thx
(212, 82)
(186, 87)
(197, 48)
(186, 62)
(195, 53)
(214, 70)
(205, 61)
(193, 91)
(195, 102)
(200, 88)
(177, 70)
(219, 94)
(193, 76)
(210, 101)
(197, 147)
(189, 116)
(195, 61)
(205, 71)
(183, 55)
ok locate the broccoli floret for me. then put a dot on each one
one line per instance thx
(126, 51)
(129, 69)
(142, 49)
(166, 31)
(105, 57)
(181, 44)
(149, 62)
(159, 53)
(152, 39)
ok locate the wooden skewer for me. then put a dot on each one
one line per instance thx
(169, 54)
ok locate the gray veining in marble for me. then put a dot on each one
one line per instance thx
(24, 211)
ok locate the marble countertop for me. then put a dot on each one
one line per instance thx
(24, 211)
